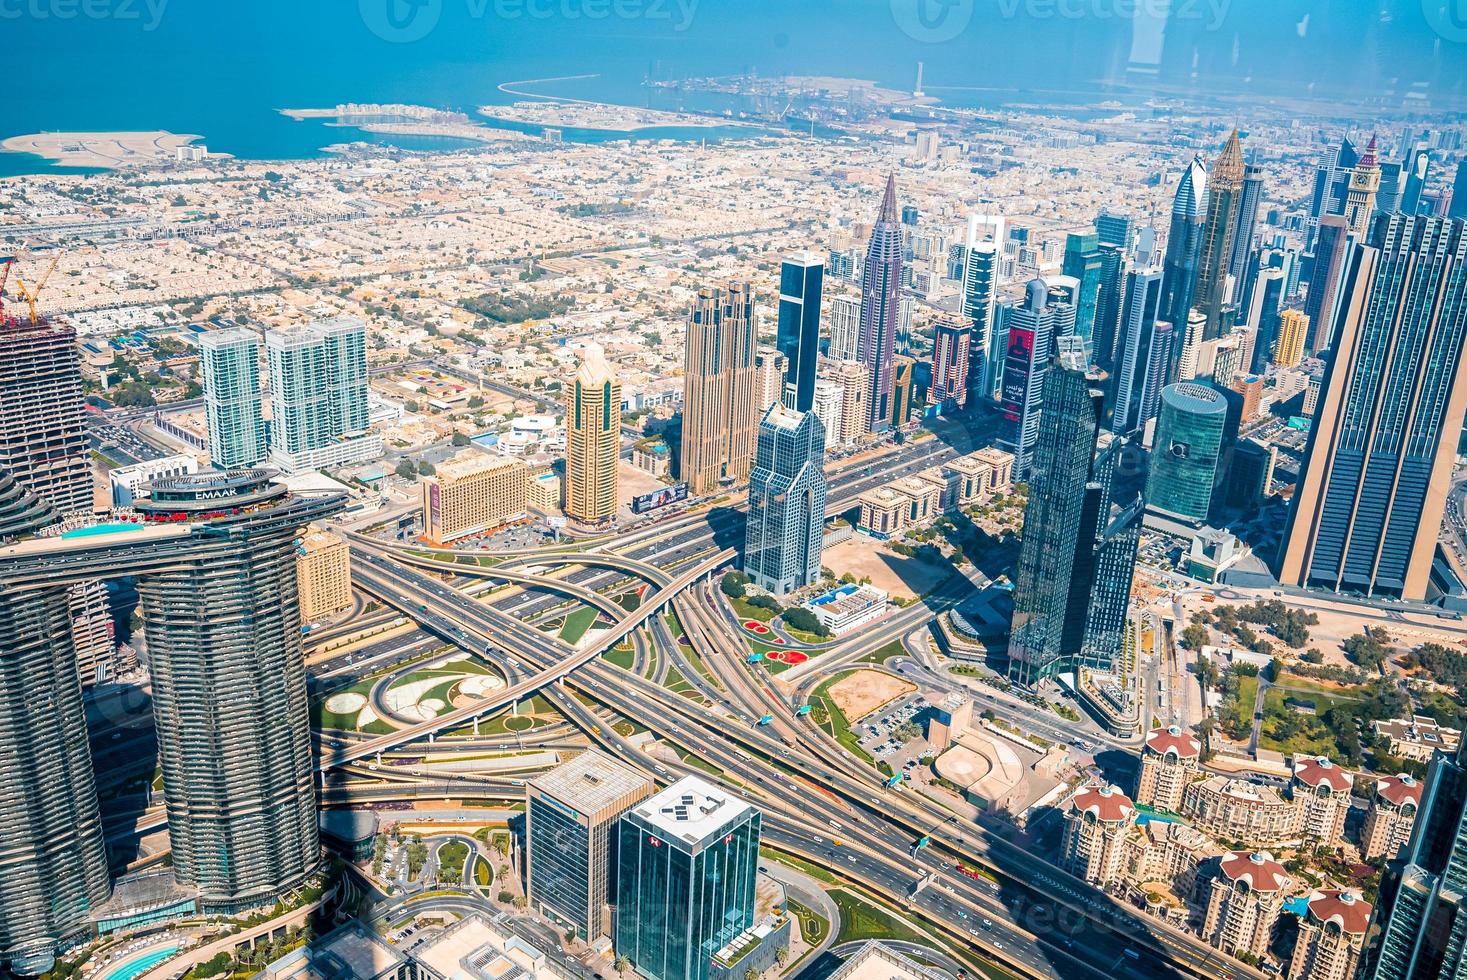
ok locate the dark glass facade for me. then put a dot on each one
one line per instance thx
(1073, 584)
(1191, 433)
(785, 530)
(801, 280)
(560, 849)
(680, 903)
(1082, 262)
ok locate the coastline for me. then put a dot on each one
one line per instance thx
(102, 151)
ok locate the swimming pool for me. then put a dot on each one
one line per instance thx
(136, 967)
(87, 532)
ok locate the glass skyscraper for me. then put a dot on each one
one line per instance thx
(881, 285)
(687, 860)
(230, 361)
(1422, 911)
(1142, 350)
(570, 820)
(1224, 199)
(979, 271)
(318, 395)
(1073, 584)
(1047, 313)
(801, 279)
(1183, 246)
(1082, 262)
(1191, 434)
(785, 530)
(1372, 489)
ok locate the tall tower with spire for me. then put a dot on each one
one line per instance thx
(1184, 242)
(881, 305)
(1364, 185)
(1224, 200)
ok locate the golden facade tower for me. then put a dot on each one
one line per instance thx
(592, 440)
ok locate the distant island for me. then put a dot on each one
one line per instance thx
(111, 151)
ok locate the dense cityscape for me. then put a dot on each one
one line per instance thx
(877, 539)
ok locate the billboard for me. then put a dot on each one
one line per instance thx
(652, 501)
(1017, 368)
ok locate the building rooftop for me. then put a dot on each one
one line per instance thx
(1399, 790)
(350, 951)
(591, 782)
(1107, 803)
(691, 810)
(876, 961)
(1258, 869)
(1176, 740)
(1345, 909)
(476, 949)
(1317, 772)
(471, 462)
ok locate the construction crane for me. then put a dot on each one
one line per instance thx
(31, 294)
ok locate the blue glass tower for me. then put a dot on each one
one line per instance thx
(801, 279)
(686, 865)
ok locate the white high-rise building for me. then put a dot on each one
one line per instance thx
(845, 328)
(318, 396)
(230, 362)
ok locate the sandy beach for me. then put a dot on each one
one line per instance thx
(106, 150)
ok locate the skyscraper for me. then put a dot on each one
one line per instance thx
(718, 385)
(1371, 491)
(785, 529)
(1077, 559)
(1224, 199)
(1288, 350)
(1360, 198)
(1422, 911)
(221, 610)
(1191, 434)
(230, 362)
(902, 394)
(1330, 246)
(1183, 246)
(52, 848)
(43, 435)
(845, 328)
(1116, 228)
(1459, 192)
(570, 839)
(980, 290)
(1082, 262)
(881, 307)
(1332, 181)
(592, 439)
(952, 336)
(318, 396)
(1114, 265)
(801, 279)
(1263, 317)
(769, 372)
(686, 866)
(1247, 226)
(1048, 312)
(1142, 354)
(1415, 171)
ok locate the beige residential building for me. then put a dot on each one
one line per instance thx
(1321, 794)
(1170, 760)
(1391, 816)
(592, 440)
(1418, 737)
(472, 493)
(542, 492)
(1243, 903)
(1288, 350)
(1235, 809)
(1331, 937)
(769, 368)
(854, 379)
(719, 409)
(1165, 853)
(323, 568)
(1096, 829)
